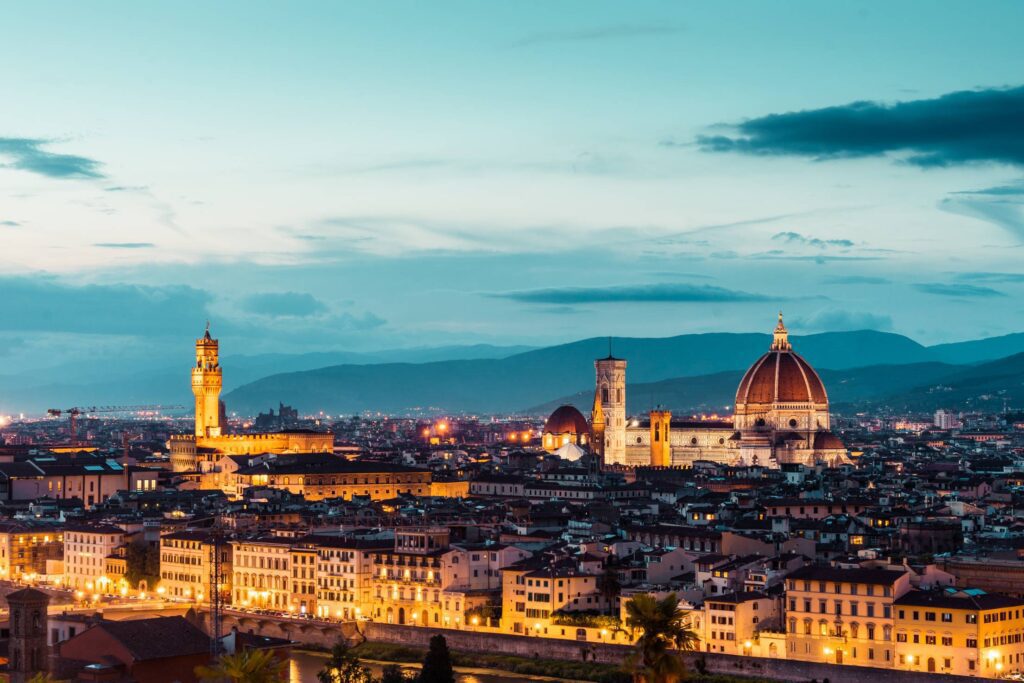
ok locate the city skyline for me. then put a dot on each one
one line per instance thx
(348, 177)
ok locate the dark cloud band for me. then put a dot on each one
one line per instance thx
(27, 154)
(985, 125)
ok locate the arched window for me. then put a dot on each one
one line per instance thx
(604, 394)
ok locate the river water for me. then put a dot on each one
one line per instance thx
(304, 666)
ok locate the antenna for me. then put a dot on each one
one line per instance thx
(609, 347)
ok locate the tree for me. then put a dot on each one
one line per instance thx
(664, 633)
(393, 673)
(247, 666)
(42, 677)
(143, 562)
(343, 667)
(437, 666)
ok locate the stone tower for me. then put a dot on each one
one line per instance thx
(661, 448)
(597, 426)
(611, 389)
(28, 653)
(206, 385)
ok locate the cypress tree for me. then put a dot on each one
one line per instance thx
(437, 666)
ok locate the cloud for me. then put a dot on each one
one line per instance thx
(837, 320)
(27, 154)
(10, 224)
(857, 280)
(797, 238)
(124, 245)
(43, 304)
(984, 125)
(991, 277)
(1002, 206)
(958, 290)
(126, 188)
(596, 34)
(284, 304)
(821, 259)
(650, 293)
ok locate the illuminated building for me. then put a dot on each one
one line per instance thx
(565, 426)
(731, 624)
(344, 574)
(781, 415)
(208, 442)
(960, 632)
(86, 548)
(843, 616)
(25, 548)
(261, 573)
(185, 564)
(319, 476)
(533, 590)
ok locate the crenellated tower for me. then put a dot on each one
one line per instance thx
(611, 391)
(206, 385)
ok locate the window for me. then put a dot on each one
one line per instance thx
(901, 637)
(947, 617)
(947, 641)
(929, 616)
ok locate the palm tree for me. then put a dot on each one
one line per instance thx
(247, 666)
(664, 633)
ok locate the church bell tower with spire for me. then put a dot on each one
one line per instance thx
(206, 385)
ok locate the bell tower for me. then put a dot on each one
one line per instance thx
(206, 385)
(661, 446)
(611, 392)
(597, 428)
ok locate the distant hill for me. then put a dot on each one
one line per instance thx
(985, 387)
(979, 350)
(145, 378)
(716, 392)
(532, 378)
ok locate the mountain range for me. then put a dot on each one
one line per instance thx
(684, 373)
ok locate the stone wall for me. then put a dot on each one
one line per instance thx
(325, 635)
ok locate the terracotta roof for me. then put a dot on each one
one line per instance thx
(781, 376)
(566, 420)
(158, 637)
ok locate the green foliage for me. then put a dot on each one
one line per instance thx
(588, 618)
(394, 674)
(663, 633)
(248, 666)
(437, 665)
(143, 563)
(527, 666)
(343, 667)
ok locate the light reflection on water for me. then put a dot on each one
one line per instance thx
(304, 666)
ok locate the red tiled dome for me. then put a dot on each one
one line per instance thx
(781, 376)
(566, 420)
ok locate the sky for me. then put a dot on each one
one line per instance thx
(314, 176)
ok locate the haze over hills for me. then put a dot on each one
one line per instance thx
(686, 371)
(531, 379)
(143, 378)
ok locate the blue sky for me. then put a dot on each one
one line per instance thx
(356, 176)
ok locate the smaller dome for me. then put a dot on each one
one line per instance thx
(827, 441)
(566, 420)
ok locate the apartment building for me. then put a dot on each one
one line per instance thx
(261, 574)
(344, 574)
(961, 632)
(843, 616)
(86, 547)
(25, 548)
(185, 569)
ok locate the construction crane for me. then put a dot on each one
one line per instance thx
(73, 413)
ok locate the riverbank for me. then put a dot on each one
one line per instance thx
(503, 666)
